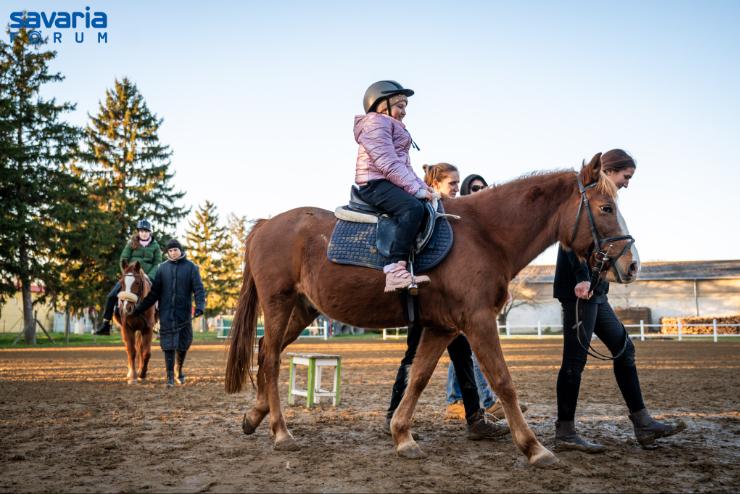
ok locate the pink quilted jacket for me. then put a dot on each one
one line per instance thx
(384, 152)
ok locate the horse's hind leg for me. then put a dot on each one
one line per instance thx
(283, 323)
(431, 346)
(484, 340)
(301, 316)
(253, 418)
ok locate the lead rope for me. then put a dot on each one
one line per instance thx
(601, 257)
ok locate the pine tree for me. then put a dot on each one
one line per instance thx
(41, 200)
(128, 170)
(207, 244)
(238, 227)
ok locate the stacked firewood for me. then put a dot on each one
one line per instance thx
(669, 325)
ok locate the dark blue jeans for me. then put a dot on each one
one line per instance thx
(461, 356)
(597, 318)
(406, 210)
(454, 393)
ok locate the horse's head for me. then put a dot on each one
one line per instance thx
(132, 286)
(597, 230)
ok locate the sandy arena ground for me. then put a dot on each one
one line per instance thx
(69, 422)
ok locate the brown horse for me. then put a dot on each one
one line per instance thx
(289, 277)
(136, 331)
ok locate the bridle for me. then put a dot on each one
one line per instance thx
(599, 241)
(123, 296)
(602, 246)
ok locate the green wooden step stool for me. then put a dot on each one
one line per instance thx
(315, 363)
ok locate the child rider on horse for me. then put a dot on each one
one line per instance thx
(384, 175)
(143, 248)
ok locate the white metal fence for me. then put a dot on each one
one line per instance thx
(319, 329)
(642, 330)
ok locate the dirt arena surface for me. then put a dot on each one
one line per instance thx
(69, 422)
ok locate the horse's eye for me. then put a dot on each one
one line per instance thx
(607, 208)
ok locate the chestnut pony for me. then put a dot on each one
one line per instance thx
(136, 331)
(289, 278)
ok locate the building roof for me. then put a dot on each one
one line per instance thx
(675, 270)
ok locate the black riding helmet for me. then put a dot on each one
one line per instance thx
(144, 225)
(381, 90)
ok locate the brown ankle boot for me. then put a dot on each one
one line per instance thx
(479, 427)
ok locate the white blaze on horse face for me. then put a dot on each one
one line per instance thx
(128, 280)
(634, 256)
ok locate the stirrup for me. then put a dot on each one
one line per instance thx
(413, 288)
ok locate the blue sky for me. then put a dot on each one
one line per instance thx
(258, 99)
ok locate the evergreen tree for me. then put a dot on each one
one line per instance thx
(128, 171)
(238, 227)
(207, 244)
(42, 201)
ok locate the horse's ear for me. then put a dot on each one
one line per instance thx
(590, 173)
(124, 265)
(137, 266)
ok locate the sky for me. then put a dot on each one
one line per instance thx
(259, 98)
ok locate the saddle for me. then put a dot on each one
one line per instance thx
(364, 236)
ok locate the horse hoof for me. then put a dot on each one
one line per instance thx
(247, 425)
(544, 458)
(287, 444)
(131, 381)
(410, 451)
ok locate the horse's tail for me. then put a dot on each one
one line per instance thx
(244, 327)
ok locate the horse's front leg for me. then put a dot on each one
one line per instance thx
(433, 343)
(129, 339)
(483, 336)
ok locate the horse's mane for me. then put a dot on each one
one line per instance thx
(604, 185)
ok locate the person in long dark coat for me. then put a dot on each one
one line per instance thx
(176, 283)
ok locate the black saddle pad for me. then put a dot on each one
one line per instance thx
(354, 244)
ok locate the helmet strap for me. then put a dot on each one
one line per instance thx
(388, 106)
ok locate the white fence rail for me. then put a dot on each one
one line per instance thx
(316, 330)
(641, 330)
(321, 329)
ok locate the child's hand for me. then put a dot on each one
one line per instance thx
(423, 194)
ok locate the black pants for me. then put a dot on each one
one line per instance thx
(461, 355)
(597, 318)
(406, 210)
(110, 302)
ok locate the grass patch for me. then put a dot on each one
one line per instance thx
(6, 340)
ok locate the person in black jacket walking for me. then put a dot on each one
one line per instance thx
(176, 282)
(573, 283)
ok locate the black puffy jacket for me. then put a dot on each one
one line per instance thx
(174, 286)
(569, 271)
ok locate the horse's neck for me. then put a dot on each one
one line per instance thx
(523, 216)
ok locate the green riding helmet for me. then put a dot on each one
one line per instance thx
(381, 90)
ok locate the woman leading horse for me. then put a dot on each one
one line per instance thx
(290, 279)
